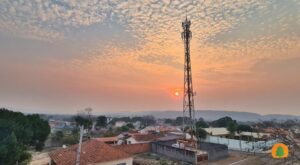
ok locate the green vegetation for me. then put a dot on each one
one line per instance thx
(201, 124)
(168, 121)
(101, 121)
(222, 122)
(232, 128)
(124, 128)
(144, 120)
(80, 120)
(201, 133)
(130, 125)
(179, 120)
(17, 133)
(244, 128)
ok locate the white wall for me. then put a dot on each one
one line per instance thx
(240, 144)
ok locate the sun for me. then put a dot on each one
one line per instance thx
(176, 93)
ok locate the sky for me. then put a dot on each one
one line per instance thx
(61, 56)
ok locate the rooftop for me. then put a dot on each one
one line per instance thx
(217, 131)
(107, 139)
(146, 137)
(92, 151)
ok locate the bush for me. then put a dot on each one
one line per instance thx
(70, 140)
(39, 146)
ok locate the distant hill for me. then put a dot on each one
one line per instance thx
(210, 115)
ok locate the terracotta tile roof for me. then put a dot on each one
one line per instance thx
(107, 139)
(134, 148)
(92, 151)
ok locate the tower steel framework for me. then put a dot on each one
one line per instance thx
(188, 97)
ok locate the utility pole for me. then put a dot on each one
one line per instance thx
(188, 98)
(79, 146)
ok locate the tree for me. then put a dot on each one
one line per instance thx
(168, 121)
(147, 120)
(244, 128)
(124, 128)
(101, 121)
(29, 130)
(201, 124)
(41, 130)
(80, 120)
(223, 122)
(130, 125)
(201, 133)
(17, 131)
(231, 128)
(70, 140)
(11, 151)
(179, 120)
(58, 135)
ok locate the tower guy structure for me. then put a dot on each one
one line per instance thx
(188, 97)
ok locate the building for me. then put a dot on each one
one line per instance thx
(158, 129)
(254, 135)
(92, 152)
(108, 140)
(120, 123)
(143, 138)
(57, 125)
(221, 132)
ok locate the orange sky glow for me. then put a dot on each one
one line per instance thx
(128, 56)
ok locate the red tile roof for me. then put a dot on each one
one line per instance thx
(107, 139)
(134, 148)
(92, 151)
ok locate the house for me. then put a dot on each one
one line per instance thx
(142, 138)
(158, 129)
(56, 125)
(108, 140)
(221, 132)
(120, 123)
(137, 125)
(255, 135)
(92, 152)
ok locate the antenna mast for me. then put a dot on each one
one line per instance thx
(188, 99)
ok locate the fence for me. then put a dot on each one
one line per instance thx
(174, 153)
(241, 145)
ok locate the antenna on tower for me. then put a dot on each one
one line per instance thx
(188, 98)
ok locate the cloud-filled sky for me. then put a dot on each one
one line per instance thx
(61, 56)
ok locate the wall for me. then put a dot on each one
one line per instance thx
(128, 161)
(131, 140)
(214, 151)
(134, 148)
(174, 153)
(241, 145)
